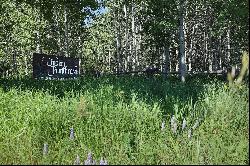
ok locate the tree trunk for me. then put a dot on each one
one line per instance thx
(14, 63)
(38, 42)
(118, 41)
(219, 53)
(206, 60)
(118, 49)
(66, 32)
(38, 36)
(210, 55)
(228, 46)
(109, 59)
(139, 47)
(182, 43)
(26, 65)
(190, 50)
(133, 29)
(79, 47)
(177, 64)
(126, 39)
(57, 30)
(166, 60)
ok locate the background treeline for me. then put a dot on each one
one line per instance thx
(173, 35)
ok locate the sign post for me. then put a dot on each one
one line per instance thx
(51, 67)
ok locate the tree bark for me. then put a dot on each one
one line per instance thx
(182, 43)
(14, 63)
(118, 40)
(38, 36)
(133, 36)
(166, 60)
(228, 46)
(126, 38)
(57, 30)
(66, 32)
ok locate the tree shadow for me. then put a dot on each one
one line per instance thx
(150, 89)
(156, 89)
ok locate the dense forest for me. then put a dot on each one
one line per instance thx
(161, 82)
(118, 36)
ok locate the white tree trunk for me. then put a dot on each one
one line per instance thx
(14, 62)
(177, 65)
(139, 47)
(182, 43)
(38, 36)
(210, 57)
(228, 46)
(219, 53)
(126, 39)
(133, 37)
(58, 37)
(26, 65)
(38, 42)
(109, 59)
(66, 32)
(166, 61)
(118, 41)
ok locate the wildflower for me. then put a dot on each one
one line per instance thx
(87, 162)
(90, 156)
(172, 120)
(162, 126)
(77, 161)
(174, 124)
(45, 149)
(175, 128)
(103, 162)
(196, 124)
(184, 124)
(189, 133)
(89, 159)
(71, 133)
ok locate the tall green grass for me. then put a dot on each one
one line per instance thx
(120, 119)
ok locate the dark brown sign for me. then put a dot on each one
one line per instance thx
(55, 67)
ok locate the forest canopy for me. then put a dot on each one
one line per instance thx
(125, 35)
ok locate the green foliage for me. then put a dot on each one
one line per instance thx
(120, 119)
(143, 27)
(27, 25)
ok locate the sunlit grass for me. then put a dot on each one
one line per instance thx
(120, 120)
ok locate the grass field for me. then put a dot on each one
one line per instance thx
(125, 120)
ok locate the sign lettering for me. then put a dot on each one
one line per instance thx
(55, 67)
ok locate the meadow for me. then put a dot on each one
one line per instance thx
(124, 120)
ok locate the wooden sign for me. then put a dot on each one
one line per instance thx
(55, 67)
